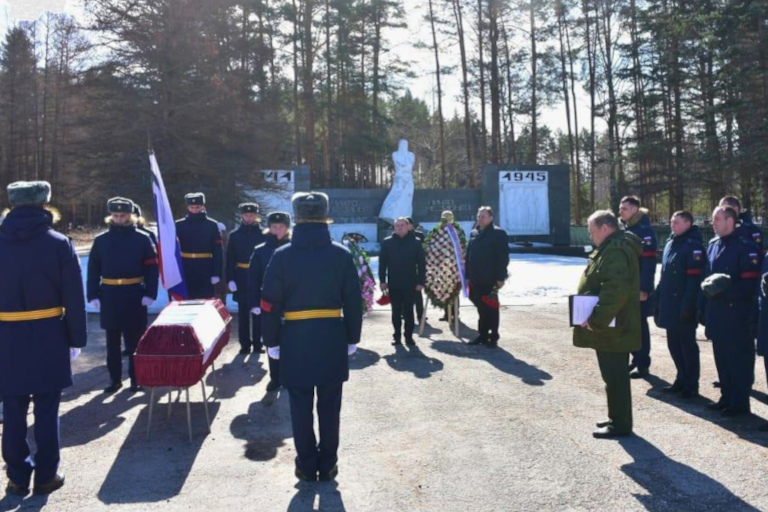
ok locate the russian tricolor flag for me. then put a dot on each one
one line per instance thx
(168, 250)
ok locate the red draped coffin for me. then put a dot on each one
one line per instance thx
(182, 343)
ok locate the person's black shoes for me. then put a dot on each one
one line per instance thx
(639, 373)
(54, 485)
(258, 350)
(716, 384)
(135, 388)
(480, 340)
(493, 341)
(410, 342)
(15, 489)
(126, 353)
(331, 475)
(717, 406)
(396, 340)
(245, 351)
(609, 432)
(303, 477)
(674, 388)
(113, 388)
(273, 386)
(730, 412)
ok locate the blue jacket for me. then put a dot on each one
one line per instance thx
(240, 247)
(310, 273)
(640, 225)
(122, 252)
(682, 268)
(728, 315)
(39, 269)
(748, 230)
(198, 234)
(258, 266)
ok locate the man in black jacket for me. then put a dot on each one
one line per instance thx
(418, 299)
(487, 259)
(402, 270)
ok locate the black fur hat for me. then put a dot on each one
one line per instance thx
(249, 208)
(195, 198)
(310, 207)
(120, 205)
(279, 218)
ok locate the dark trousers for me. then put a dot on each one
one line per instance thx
(249, 327)
(114, 355)
(16, 452)
(642, 358)
(418, 301)
(402, 311)
(313, 457)
(274, 370)
(684, 350)
(735, 363)
(488, 314)
(613, 368)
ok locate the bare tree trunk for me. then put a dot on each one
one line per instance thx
(465, 92)
(443, 181)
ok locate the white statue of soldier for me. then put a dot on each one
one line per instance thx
(399, 201)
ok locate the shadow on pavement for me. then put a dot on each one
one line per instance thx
(498, 358)
(265, 426)
(363, 358)
(672, 485)
(414, 361)
(102, 414)
(242, 371)
(328, 494)
(155, 469)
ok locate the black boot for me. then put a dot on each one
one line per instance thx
(481, 339)
(113, 388)
(493, 341)
(397, 340)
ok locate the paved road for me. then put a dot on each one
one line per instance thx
(441, 427)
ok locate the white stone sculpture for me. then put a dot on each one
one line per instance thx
(399, 201)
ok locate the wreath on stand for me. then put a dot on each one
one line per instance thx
(363, 264)
(444, 279)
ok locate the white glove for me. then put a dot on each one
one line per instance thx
(73, 353)
(351, 349)
(274, 353)
(147, 301)
(232, 286)
(215, 280)
(96, 304)
(256, 311)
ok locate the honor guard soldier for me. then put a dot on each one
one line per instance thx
(725, 306)
(141, 224)
(308, 284)
(122, 282)
(677, 295)
(746, 227)
(42, 326)
(240, 247)
(201, 253)
(279, 234)
(636, 221)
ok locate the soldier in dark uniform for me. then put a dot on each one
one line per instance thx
(201, 246)
(636, 221)
(42, 326)
(418, 299)
(677, 295)
(122, 283)
(240, 247)
(278, 235)
(308, 284)
(141, 225)
(402, 271)
(733, 270)
(746, 227)
(487, 261)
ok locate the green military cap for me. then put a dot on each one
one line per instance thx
(120, 205)
(29, 192)
(195, 198)
(715, 285)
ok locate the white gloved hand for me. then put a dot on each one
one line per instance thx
(274, 353)
(147, 301)
(96, 304)
(256, 311)
(73, 353)
(215, 280)
(232, 286)
(351, 349)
